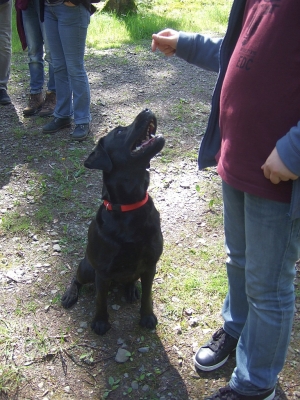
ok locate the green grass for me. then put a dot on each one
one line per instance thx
(14, 222)
(109, 31)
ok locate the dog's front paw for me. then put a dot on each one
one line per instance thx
(100, 327)
(148, 321)
(70, 296)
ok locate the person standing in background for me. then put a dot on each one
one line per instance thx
(32, 34)
(66, 28)
(5, 48)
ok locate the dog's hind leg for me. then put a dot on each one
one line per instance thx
(148, 319)
(131, 292)
(100, 322)
(85, 274)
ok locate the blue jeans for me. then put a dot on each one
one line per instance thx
(5, 43)
(262, 245)
(66, 29)
(35, 33)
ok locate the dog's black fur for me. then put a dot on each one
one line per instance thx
(123, 246)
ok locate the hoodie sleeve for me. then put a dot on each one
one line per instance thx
(288, 148)
(200, 50)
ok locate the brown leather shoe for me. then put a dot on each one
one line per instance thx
(35, 103)
(49, 105)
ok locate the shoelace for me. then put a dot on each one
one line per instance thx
(217, 341)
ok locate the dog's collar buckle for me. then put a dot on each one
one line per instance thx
(125, 207)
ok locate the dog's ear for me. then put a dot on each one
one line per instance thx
(99, 159)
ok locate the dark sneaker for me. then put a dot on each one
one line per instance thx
(48, 105)
(216, 352)
(4, 97)
(56, 125)
(226, 393)
(35, 103)
(81, 132)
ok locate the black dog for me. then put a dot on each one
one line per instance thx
(125, 240)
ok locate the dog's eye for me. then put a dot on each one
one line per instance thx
(119, 131)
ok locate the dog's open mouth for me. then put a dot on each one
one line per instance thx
(146, 140)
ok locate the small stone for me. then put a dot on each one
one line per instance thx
(122, 355)
(134, 385)
(143, 349)
(145, 388)
(57, 248)
(193, 322)
(178, 329)
(115, 307)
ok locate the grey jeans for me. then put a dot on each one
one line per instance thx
(5, 42)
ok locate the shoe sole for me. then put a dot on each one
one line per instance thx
(45, 114)
(209, 367)
(60, 128)
(30, 114)
(271, 396)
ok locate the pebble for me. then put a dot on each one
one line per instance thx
(57, 248)
(134, 385)
(143, 349)
(193, 322)
(122, 355)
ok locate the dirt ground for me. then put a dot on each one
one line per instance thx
(47, 200)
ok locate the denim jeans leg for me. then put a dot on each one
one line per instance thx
(35, 43)
(5, 42)
(66, 29)
(76, 21)
(64, 104)
(272, 244)
(235, 307)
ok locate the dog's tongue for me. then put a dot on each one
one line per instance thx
(147, 142)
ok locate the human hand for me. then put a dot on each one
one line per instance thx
(69, 4)
(165, 41)
(275, 170)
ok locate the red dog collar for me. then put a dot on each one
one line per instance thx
(126, 207)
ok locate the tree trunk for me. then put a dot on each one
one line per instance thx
(120, 7)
